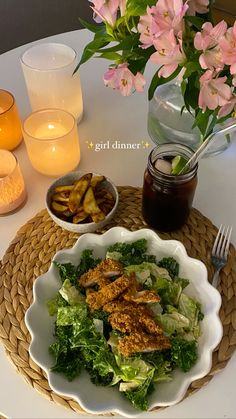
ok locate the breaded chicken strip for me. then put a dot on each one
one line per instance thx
(122, 305)
(108, 293)
(125, 322)
(107, 268)
(131, 320)
(144, 296)
(142, 342)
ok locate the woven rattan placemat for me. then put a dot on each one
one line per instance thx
(30, 254)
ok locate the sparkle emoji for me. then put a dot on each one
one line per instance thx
(145, 144)
(90, 145)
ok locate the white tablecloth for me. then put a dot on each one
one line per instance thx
(108, 116)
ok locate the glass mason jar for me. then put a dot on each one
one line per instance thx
(167, 199)
(170, 122)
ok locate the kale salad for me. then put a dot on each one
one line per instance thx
(125, 319)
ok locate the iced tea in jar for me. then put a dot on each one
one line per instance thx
(168, 197)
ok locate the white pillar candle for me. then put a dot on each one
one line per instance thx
(48, 70)
(52, 141)
(12, 187)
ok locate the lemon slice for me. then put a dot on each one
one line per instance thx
(177, 164)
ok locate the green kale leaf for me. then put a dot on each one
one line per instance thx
(138, 396)
(183, 353)
(132, 253)
(171, 265)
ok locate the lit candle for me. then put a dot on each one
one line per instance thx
(52, 141)
(12, 187)
(10, 125)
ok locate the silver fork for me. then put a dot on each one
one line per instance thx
(220, 252)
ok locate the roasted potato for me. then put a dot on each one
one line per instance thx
(78, 191)
(84, 201)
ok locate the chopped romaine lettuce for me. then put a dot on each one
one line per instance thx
(138, 396)
(70, 293)
(147, 270)
(172, 323)
(171, 265)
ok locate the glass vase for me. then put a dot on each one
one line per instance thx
(166, 123)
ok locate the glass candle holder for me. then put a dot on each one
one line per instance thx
(12, 187)
(48, 70)
(167, 199)
(10, 124)
(52, 142)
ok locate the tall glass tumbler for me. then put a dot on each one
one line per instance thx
(48, 70)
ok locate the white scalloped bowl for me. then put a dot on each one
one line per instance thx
(100, 400)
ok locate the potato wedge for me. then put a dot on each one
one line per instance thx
(58, 207)
(65, 188)
(96, 180)
(98, 217)
(78, 192)
(89, 203)
(60, 197)
(80, 216)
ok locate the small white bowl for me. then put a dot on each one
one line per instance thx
(81, 228)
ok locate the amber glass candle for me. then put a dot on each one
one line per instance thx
(10, 124)
(52, 142)
(12, 187)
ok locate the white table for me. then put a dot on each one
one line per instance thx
(108, 116)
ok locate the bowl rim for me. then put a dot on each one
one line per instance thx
(188, 380)
(84, 225)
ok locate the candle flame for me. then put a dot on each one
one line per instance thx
(51, 126)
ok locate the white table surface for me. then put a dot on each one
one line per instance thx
(109, 116)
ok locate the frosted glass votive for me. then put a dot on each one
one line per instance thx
(52, 141)
(48, 70)
(12, 186)
(10, 124)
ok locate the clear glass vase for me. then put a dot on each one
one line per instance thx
(166, 124)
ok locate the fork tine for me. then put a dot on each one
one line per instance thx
(216, 240)
(225, 236)
(227, 241)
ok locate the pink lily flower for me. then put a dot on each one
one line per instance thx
(122, 6)
(170, 13)
(166, 15)
(213, 92)
(228, 46)
(228, 108)
(169, 53)
(105, 11)
(122, 79)
(208, 41)
(199, 6)
(210, 35)
(144, 28)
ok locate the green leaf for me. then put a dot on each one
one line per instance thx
(93, 28)
(126, 44)
(138, 7)
(191, 67)
(196, 21)
(201, 120)
(113, 56)
(191, 93)
(90, 49)
(158, 81)
(138, 397)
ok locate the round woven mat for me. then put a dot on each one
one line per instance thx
(30, 254)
